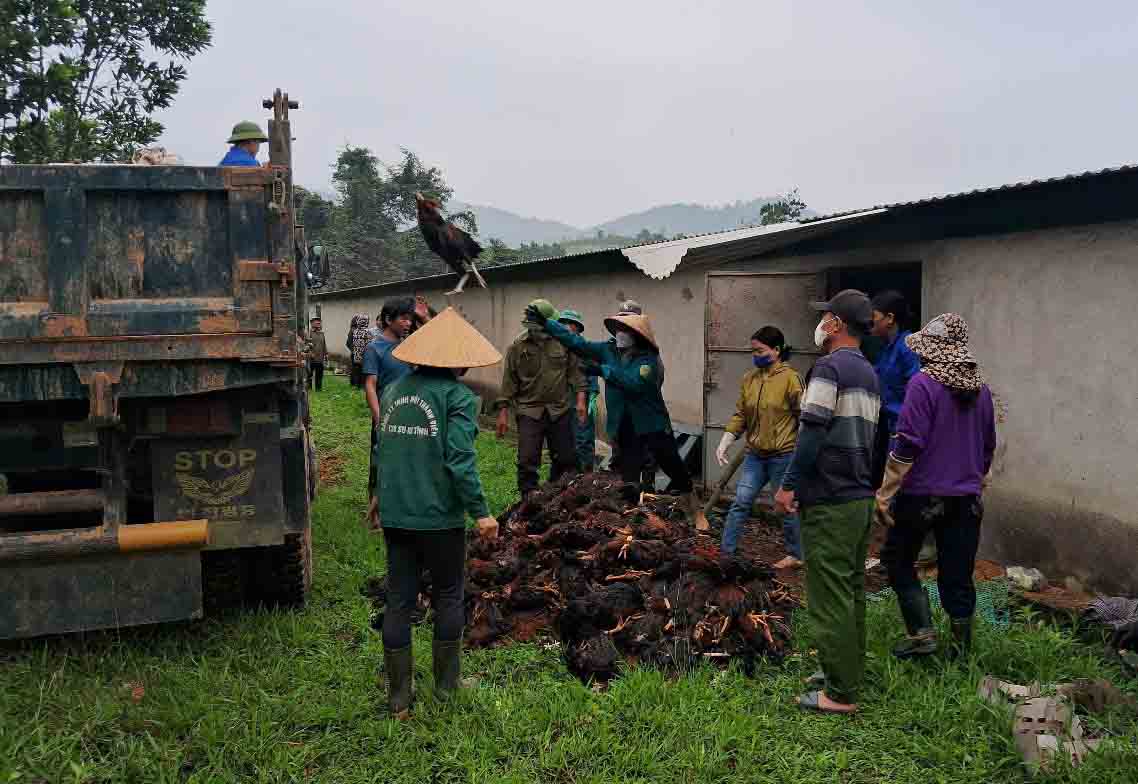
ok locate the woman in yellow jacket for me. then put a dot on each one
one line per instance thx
(767, 412)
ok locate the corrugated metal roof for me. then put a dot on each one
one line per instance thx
(660, 259)
(1015, 186)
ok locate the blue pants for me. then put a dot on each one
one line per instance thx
(585, 442)
(757, 471)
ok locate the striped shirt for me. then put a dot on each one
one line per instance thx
(840, 407)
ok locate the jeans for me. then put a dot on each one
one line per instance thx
(836, 537)
(955, 521)
(443, 553)
(585, 441)
(757, 472)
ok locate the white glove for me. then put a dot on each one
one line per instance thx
(721, 451)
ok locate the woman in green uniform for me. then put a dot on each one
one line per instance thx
(429, 484)
(638, 418)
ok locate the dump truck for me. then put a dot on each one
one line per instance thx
(155, 455)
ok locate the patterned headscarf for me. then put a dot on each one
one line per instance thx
(943, 349)
(360, 336)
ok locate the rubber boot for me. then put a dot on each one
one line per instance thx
(399, 668)
(961, 644)
(695, 509)
(921, 639)
(447, 665)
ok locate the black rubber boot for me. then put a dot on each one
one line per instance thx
(399, 668)
(921, 639)
(447, 661)
(961, 644)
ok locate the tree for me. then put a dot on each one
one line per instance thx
(314, 211)
(372, 228)
(786, 208)
(81, 79)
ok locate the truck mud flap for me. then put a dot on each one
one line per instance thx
(99, 592)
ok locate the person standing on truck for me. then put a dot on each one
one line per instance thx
(247, 138)
(429, 484)
(539, 377)
(317, 354)
(831, 478)
(380, 369)
(585, 423)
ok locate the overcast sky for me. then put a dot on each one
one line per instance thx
(582, 111)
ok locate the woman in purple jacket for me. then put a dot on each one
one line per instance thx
(945, 438)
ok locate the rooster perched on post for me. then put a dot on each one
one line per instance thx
(453, 245)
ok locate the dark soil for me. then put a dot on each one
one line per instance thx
(620, 579)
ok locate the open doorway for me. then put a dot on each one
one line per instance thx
(905, 278)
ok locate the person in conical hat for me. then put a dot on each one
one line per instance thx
(429, 484)
(638, 418)
(542, 385)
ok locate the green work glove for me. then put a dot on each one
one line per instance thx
(593, 404)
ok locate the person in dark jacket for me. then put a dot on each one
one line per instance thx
(538, 378)
(429, 485)
(934, 479)
(317, 353)
(638, 418)
(358, 338)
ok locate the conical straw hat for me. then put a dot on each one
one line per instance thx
(447, 341)
(638, 324)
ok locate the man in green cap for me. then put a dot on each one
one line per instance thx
(585, 423)
(538, 373)
(246, 140)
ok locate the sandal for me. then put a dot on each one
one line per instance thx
(812, 700)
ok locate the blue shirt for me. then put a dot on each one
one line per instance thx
(895, 366)
(238, 157)
(378, 362)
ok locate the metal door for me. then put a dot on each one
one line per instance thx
(738, 305)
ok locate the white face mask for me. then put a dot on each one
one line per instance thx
(624, 340)
(820, 333)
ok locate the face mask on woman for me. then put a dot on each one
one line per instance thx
(763, 360)
(625, 340)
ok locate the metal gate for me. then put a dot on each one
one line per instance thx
(738, 304)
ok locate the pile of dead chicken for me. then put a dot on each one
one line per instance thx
(620, 578)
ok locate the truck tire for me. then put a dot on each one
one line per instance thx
(282, 574)
(223, 580)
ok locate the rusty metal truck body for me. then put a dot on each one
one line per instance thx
(153, 408)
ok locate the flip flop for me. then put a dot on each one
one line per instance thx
(812, 700)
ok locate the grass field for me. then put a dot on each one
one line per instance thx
(281, 697)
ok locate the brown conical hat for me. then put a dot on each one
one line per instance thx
(447, 341)
(638, 324)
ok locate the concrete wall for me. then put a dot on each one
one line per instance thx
(675, 305)
(1048, 313)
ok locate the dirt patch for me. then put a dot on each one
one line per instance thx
(619, 579)
(331, 468)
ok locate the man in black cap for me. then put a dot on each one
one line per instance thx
(831, 479)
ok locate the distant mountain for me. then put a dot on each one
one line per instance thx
(673, 219)
(666, 219)
(514, 229)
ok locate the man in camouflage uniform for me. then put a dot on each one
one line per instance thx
(536, 384)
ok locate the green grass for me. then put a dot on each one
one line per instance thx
(279, 696)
